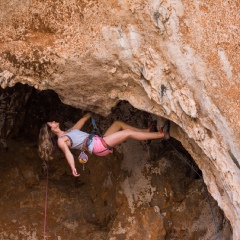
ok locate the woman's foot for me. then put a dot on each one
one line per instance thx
(166, 130)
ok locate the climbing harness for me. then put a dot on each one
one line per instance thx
(89, 139)
(45, 167)
(98, 133)
(208, 197)
(95, 132)
(83, 158)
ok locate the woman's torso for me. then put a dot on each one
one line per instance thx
(76, 139)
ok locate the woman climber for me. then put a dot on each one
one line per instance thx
(51, 136)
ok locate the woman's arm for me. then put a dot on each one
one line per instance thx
(68, 155)
(82, 121)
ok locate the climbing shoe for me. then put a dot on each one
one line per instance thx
(153, 126)
(166, 130)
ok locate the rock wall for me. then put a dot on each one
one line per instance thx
(144, 190)
(175, 59)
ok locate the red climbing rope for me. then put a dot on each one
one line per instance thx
(46, 198)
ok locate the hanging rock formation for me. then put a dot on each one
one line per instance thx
(175, 59)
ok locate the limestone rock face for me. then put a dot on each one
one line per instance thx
(175, 59)
(144, 190)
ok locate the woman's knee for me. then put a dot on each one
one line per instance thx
(118, 123)
(128, 132)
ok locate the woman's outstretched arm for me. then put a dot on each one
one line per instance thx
(68, 155)
(82, 121)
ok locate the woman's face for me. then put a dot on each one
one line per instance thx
(53, 125)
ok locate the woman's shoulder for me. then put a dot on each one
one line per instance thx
(63, 142)
(64, 134)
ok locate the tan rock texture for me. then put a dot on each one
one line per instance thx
(175, 59)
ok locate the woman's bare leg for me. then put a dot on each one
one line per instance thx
(119, 125)
(120, 136)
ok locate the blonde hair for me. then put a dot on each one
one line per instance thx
(47, 143)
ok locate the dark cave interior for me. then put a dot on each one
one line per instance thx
(24, 109)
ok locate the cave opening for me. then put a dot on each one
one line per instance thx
(143, 188)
